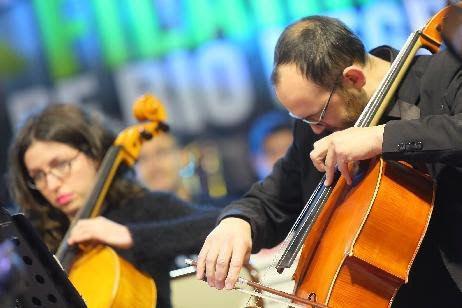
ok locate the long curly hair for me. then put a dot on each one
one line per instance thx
(73, 126)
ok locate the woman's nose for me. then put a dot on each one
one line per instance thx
(53, 181)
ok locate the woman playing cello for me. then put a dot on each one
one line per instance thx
(53, 163)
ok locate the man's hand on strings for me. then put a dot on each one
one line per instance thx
(224, 252)
(341, 148)
(101, 230)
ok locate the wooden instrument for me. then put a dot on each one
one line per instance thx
(103, 278)
(359, 241)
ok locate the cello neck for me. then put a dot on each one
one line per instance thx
(125, 149)
(94, 204)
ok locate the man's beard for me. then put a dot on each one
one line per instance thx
(355, 101)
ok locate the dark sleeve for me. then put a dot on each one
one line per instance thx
(436, 136)
(272, 205)
(169, 227)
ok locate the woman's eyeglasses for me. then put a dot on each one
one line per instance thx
(60, 169)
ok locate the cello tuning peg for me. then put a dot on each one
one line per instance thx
(146, 135)
(164, 127)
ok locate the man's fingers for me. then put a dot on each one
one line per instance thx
(318, 161)
(226, 246)
(222, 265)
(343, 168)
(210, 265)
(235, 266)
(319, 152)
(330, 167)
(200, 267)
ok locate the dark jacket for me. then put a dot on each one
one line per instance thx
(427, 127)
(162, 227)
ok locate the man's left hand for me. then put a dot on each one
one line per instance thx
(346, 146)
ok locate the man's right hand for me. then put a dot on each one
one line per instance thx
(224, 252)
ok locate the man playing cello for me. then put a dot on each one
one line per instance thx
(324, 77)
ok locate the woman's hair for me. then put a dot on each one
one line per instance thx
(70, 125)
(320, 47)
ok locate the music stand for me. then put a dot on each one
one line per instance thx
(43, 282)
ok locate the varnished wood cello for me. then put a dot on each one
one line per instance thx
(102, 277)
(359, 241)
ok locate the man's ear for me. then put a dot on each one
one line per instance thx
(354, 76)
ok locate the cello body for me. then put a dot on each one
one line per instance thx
(370, 236)
(106, 280)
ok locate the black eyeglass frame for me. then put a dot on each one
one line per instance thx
(323, 111)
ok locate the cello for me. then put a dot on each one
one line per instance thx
(360, 241)
(102, 277)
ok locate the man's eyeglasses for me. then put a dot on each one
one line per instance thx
(323, 111)
(60, 169)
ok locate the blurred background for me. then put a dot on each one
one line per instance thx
(209, 62)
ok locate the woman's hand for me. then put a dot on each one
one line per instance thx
(101, 230)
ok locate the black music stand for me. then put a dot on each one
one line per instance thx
(42, 282)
